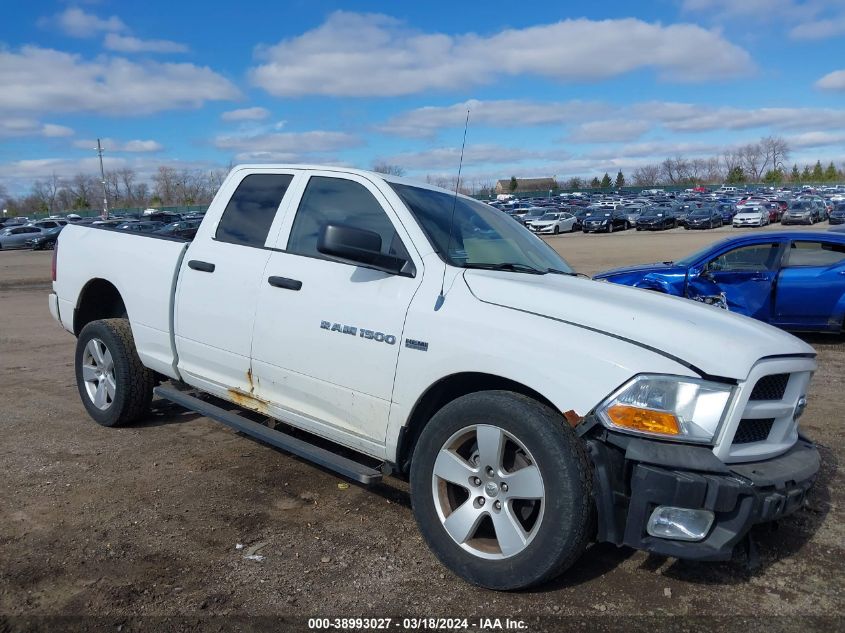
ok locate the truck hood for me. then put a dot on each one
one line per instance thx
(710, 340)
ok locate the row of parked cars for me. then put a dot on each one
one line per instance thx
(21, 232)
(653, 210)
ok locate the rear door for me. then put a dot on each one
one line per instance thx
(745, 274)
(327, 333)
(219, 283)
(811, 285)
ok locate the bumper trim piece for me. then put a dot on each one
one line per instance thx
(629, 485)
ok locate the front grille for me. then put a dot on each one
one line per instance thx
(770, 387)
(751, 430)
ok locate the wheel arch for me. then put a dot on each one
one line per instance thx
(445, 391)
(99, 299)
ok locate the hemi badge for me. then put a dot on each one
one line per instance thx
(418, 345)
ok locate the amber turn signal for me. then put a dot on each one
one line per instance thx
(647, 420)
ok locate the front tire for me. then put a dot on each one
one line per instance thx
(115, 387)
(501, 489)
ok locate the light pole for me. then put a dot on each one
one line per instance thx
(99, 149)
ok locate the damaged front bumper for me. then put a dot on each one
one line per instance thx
(634, 476)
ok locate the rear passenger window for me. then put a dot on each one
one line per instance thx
(249, 214)
(342, 202)
(815, 254)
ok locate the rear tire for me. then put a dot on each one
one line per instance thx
(526, 540)
(115, 387)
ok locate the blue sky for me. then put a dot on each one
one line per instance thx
(553, 88)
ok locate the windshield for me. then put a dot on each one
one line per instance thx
(550, 216)
(700, 213)
(652, 213)
(481, 235)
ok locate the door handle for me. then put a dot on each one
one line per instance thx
(284, 282)
(205, 267)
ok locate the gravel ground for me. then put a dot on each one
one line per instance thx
(159, 519)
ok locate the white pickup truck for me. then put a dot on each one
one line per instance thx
(376, 326)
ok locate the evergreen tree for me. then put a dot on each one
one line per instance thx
(606, 181)
(806, 175)
(595, 184)
(514, 184)
(796, 175)
(773, 177)
(735, 175)
(830, 174)
(818, 172)
(620, 179)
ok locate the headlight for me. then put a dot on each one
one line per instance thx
(669, 407)
(604, 221)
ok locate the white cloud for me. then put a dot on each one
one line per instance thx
(816, 139)
(832, 81)
(427, 121)
(602, 122)
(819, 29)
(105, 85)
(354, 54)
(246, 114)
(609, 131)
(807, 20)
(52, 130)
(686, 117)
(111, 145)
(445, 157)
(21, 126)
(298, 143)
(75, 22)
(129, 44)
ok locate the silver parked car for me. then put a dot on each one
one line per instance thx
(18, 236)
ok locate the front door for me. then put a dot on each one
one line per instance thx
(811, 286)
(745, 274)
(327, 333)
(218, 285)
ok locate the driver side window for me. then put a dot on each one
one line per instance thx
(340, 202)
(754, 258)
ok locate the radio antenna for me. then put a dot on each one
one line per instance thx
(441, 297)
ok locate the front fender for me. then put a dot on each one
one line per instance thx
(658, 284)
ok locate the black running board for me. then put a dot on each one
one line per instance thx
(316, 454)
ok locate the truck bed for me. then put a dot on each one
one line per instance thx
(143, 268)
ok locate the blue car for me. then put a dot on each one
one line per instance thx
(793, 280)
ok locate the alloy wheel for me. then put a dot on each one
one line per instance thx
(488, 492)
(98, 374)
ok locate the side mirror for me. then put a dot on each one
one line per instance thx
(360, 247)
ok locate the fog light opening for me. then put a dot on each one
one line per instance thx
(680, 524)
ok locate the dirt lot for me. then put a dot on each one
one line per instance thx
(145, 520)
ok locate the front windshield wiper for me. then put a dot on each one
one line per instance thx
(517, 268)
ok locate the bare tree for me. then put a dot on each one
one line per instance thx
(164, 182)
(647, 175)
(713, 171)
(84, 189)
(386, 168)
(754, 160)
(46, 192)
(675, 170)
(127, 176)
(776, 150)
